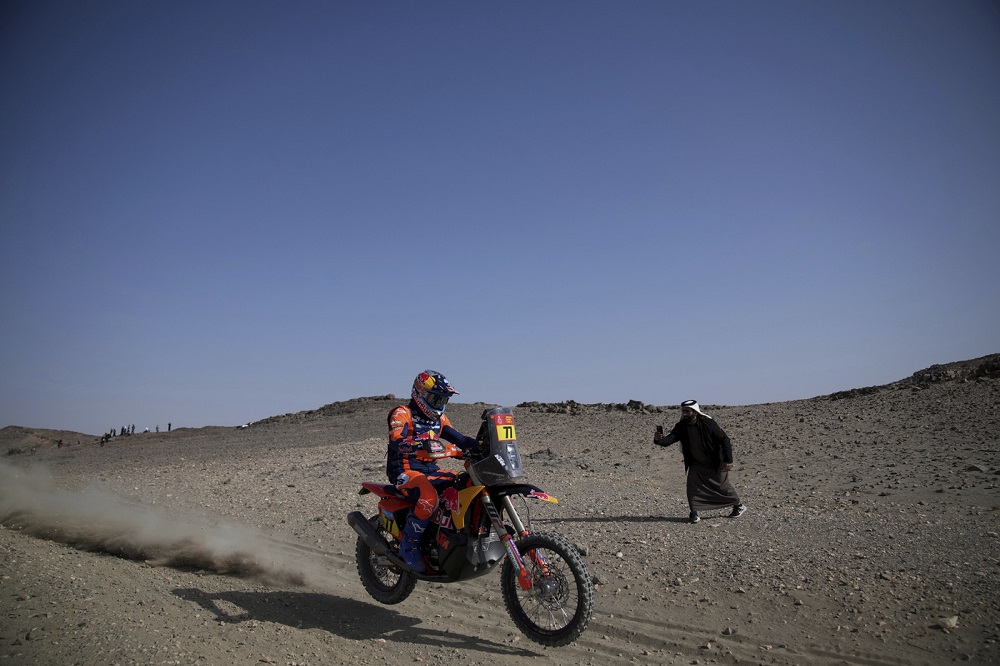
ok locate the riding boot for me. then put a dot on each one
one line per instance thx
(409, 546)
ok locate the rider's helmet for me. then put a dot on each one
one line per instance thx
(431, 392)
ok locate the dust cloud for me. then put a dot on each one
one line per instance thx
(94, 518)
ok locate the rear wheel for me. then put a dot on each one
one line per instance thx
(556, 609)
(386, 583)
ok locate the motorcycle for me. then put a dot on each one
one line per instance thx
(547, 590)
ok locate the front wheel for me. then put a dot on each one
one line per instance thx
(556, 609)
(386, 583)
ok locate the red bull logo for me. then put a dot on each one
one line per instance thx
(427, 381)
(545, 497)
(449, 498)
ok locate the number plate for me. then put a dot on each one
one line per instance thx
(505, 427)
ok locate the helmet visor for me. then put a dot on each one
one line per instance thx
(436, 400)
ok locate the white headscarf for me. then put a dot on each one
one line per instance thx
(693, 404)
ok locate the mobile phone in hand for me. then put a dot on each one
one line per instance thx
(659, 430)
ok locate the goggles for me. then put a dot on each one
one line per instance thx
(436, 400)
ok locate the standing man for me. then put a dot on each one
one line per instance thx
(708, 457)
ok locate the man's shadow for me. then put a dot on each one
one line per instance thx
(344, 617)
(614, 519)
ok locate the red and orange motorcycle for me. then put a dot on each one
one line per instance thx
(546, 587)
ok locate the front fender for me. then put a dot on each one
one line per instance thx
(525, 489)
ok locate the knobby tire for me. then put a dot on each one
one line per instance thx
(557, 609)
(385, 583)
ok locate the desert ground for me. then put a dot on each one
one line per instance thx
(871, 538)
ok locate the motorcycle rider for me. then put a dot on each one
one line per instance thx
(416, 432)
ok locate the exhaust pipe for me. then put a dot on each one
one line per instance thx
(357, 520)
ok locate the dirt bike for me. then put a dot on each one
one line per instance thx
(546, 587)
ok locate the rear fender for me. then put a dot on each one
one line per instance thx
(380, 489)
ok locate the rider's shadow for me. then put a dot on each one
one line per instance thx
(347, 618)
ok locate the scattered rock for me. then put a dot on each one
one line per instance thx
(948, 623)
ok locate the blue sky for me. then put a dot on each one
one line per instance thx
(214, 212)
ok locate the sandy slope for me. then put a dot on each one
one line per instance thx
(871, 518)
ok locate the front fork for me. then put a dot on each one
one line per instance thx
(524, 576)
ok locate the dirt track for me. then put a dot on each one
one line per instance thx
(871, 518)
